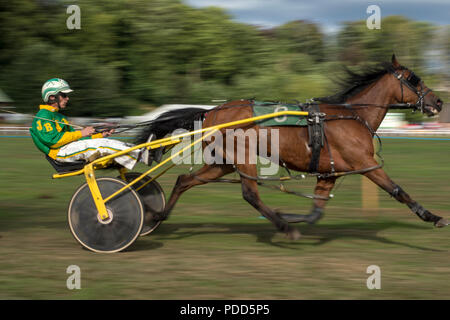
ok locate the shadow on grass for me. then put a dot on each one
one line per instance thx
(265, 234)
(23, 217)
(313, 235)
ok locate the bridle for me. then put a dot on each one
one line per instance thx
(412, 81)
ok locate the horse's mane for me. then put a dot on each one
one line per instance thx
(354, 82)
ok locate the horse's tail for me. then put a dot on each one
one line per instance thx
(168, 122)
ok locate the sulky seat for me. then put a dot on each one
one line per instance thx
(62, 167)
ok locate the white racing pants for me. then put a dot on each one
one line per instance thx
(92, 149)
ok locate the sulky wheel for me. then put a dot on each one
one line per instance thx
(119, 231)
(153, 199)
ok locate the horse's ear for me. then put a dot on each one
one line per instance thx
(395, 63)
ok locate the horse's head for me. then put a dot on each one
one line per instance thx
(414, 91)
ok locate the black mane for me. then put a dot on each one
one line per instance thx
(354, 83)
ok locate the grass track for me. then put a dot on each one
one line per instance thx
(215, 246)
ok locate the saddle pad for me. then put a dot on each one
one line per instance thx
(262, 108)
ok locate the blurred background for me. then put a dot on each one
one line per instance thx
(131, 56)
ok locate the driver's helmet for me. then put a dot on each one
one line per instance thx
(54, 86)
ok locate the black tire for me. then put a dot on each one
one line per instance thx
(116, 234)
(152, 197)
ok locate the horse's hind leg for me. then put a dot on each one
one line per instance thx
(323, 189)
(187, 181)
(380, 177)
(251, 195)
(322, 192)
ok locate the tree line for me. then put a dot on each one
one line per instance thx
(130, 55)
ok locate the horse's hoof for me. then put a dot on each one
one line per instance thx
(441, 223)
(294, 218)
(158, 217)
(148, 217)
(294, 234)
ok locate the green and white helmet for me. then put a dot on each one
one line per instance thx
(53, 87)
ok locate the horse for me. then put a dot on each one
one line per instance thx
(352, 117)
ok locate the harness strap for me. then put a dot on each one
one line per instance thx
(281, 187)
(346, 173)
(316, 136)
(411, 82)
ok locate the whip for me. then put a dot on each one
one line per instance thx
(59, 122)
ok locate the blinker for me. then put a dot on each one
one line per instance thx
(413, 79)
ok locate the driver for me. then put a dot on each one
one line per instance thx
(54, 136)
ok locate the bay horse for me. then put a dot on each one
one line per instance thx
(352, 117)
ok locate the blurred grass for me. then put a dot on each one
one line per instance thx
(215, 246)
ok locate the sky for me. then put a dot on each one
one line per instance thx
(328, 13)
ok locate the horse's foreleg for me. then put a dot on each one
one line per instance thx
(380, 178)
(187, 181)
(251, 195)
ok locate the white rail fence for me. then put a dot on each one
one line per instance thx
(14, 130)
(24, 131)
